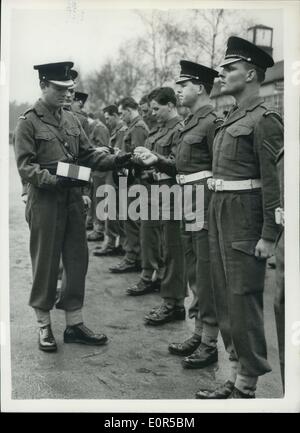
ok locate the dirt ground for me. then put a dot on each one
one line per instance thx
(135, 364)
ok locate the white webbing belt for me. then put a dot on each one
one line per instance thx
(161, 176)
(182, 179)
(233, 185)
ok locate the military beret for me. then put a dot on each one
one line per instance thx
(194, 71)
(81, 96)
(241, 49)
(57, 73)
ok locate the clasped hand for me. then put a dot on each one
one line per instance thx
(144, 156)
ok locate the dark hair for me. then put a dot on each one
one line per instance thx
(260, 73)
(111, 110)
(152, 94)
(144, 100)
(164, 95)
(129, 103)
(207, 87)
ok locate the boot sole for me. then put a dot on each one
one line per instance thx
(125, 271)
(184, 353)
(154, 323)
(197, 366)
(47, 349)
(85, 342)
(141, 293)
(211, 398)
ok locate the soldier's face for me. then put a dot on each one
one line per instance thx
(54, 95)
(125, 114)
(69, 97)
(110, 121)
(144, 109)
(233, 78)
(188, 93)
(160, 112)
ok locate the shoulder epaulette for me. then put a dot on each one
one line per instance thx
(274, 113)
(23, 116)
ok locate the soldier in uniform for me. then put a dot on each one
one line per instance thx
(79, 100)
(100, 138)
(279, 302)
(114, 229)
(242, 229)
(159, 153)
(151, 247)
(194, 165)
(116, 126)
(146, 112)
(135, 135)
(45, 135)
(71, 106)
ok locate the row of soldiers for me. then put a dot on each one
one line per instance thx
(223, 262)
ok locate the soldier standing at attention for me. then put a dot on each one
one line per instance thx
(45, 135)
(135, 135)
(114, 229)
(279, 254)
(99, 137)
(159, 154)
(116, 126)
(194, 165)
(146, 112)
(69, 104)
(80, 99)
(242, 229)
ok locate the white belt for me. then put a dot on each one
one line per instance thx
(233, 185)
(161, 176)
(181, 179)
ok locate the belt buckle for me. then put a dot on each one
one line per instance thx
(218, 184)
(180, 178)
(211, 184)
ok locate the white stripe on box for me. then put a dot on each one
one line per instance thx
(84, 173)
(62, 169)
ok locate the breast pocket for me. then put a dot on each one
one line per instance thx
(236, 141)
(44, 135)
(190, 146)
(163, 148)
(48, 148)
(72, 134)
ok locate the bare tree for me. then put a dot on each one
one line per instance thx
(162, 45)
(209, 31)
(123, 76)
(152, 59)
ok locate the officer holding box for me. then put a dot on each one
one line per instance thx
(45, 135)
